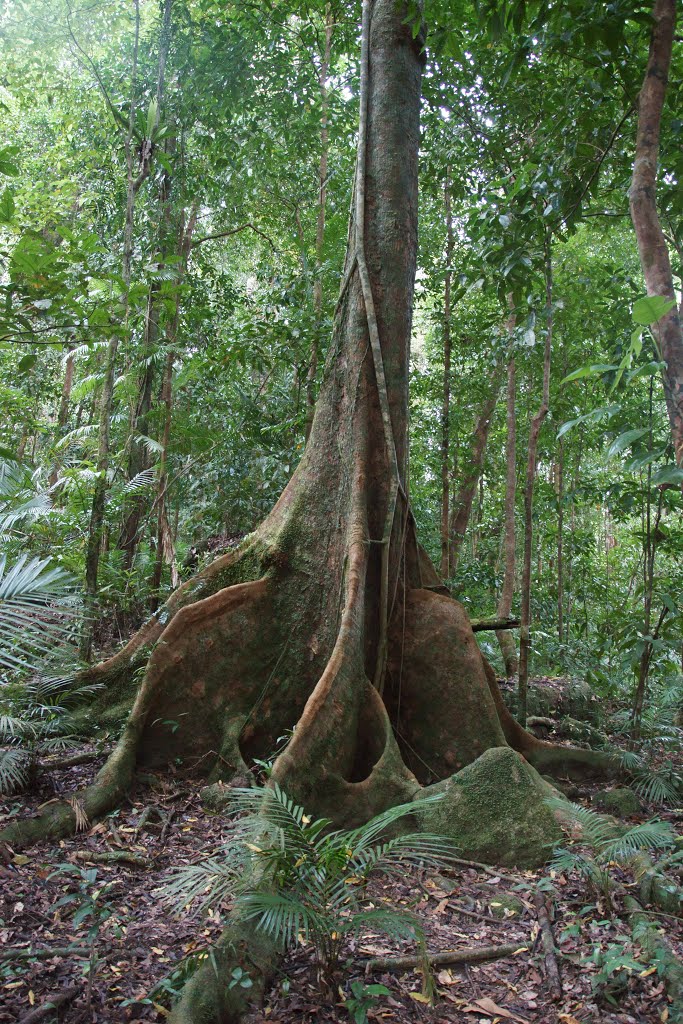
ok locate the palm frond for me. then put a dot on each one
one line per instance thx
(651, 835)
(36, 602)
(280, 915)
(595, 828)
(207, 884)
(15, 765)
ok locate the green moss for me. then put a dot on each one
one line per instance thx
(620, 802)
(495, 810)
(504, 905)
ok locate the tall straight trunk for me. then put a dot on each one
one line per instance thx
(320, 225)
(164, 541)
(505, 638)
(536, 424)
(138, 459)
(134, 182)
(63, 414)
(462, 504)
(652, 246)
(446, 408)
(560, 542)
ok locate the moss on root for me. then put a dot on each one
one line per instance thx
(207, 997)
(495, 810)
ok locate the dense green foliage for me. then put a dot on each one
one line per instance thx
(211, 121)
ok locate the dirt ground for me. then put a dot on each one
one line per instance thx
(133, 968)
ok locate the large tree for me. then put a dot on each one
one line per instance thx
(329, 619)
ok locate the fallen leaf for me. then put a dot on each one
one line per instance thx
(31, 997)
(420, 998)
(488, 1006)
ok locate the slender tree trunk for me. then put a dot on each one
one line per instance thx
(652, 246)
(63, 415)
(164, 542)
(560, 539)
(320, 226)
(536, 424)
(92, 558)
(446, 410)
(462, 504)
(505, 638)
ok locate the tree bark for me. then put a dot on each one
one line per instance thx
(95, 530)
(462, 503)
(63, 415)
(446, 407)
(652, 247)
(505, 639)
(536, 424)
(320, 225)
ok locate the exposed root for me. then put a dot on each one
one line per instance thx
(551, 758)
(207, 998)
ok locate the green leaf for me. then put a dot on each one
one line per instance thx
(590, 371)
(668, 475)
(6, 206)
(6, 165)
(651, 308)
(625, 440)
(27, 363)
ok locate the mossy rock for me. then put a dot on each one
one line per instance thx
(623, 803)
(216, 797)
(578, 731)
(579, 701)
(504, 905)
(495, 811)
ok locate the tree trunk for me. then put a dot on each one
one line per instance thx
(327, 620)
(462, 503)
(536, 424)
(92, 558)
(505, 639)
(560, 542)
(445, 412)
(63, 415)
(652, 247)
(320, 225)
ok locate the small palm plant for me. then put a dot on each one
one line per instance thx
(301, 880)
(607, 842)
(34, 722)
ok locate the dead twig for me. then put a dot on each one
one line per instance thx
(23, 953)
(470, 955)
(114, 857)
(552, 970)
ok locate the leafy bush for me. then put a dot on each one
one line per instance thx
(297, 878)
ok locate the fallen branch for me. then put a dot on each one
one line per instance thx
(470, 955)
(481, 625)
(552, 970)
(71, 760)
(43, 954)
(38, 1012)
(114, 857)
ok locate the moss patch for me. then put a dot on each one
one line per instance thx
(495, 810)
(620, 802)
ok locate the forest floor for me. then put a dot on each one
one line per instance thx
(141, 954)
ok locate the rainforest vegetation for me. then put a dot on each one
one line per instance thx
(341, 480)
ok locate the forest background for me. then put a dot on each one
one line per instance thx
(175, 180)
